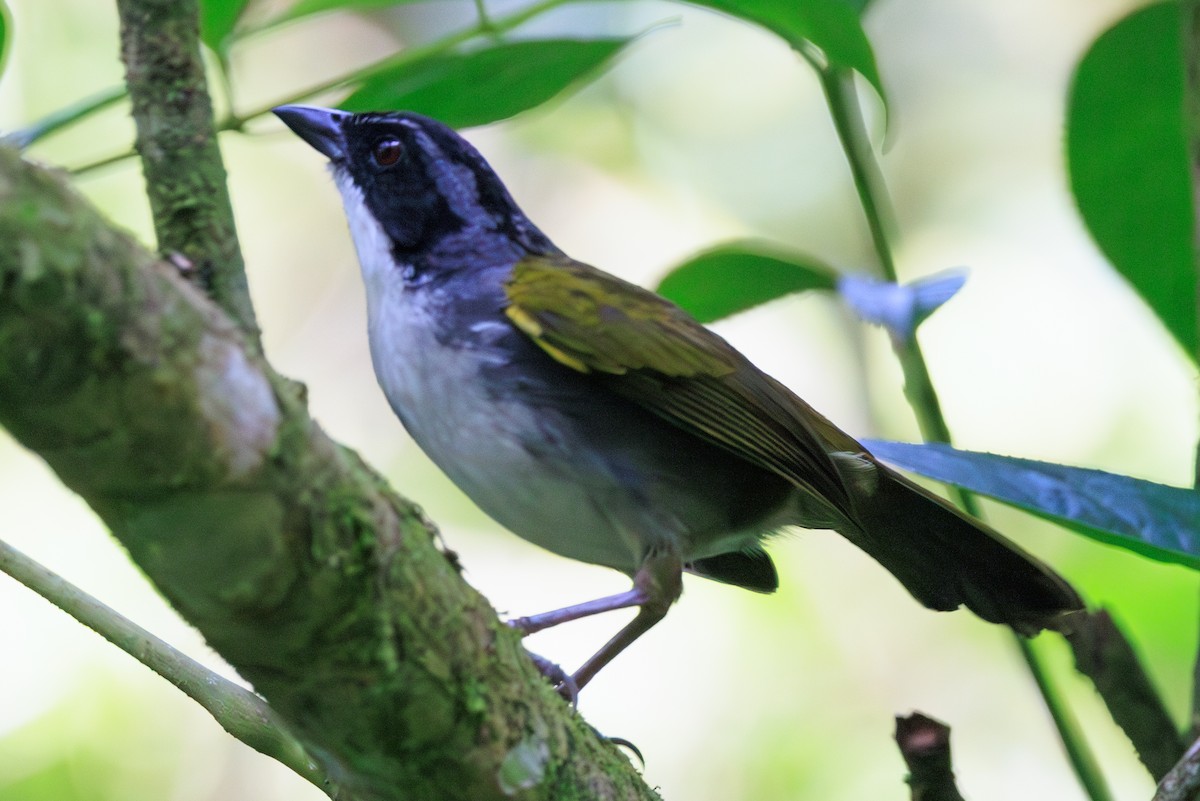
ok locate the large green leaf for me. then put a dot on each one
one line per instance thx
(1128, 160)
(218, 19)
(1154, 520)
(739, 276)
(834, 26)
(485, 85)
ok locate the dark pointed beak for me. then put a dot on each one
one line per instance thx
(320, 127)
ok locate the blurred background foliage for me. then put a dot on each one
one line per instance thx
(699, 130)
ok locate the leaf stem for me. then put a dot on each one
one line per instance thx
(61, 118)
(838, 85)
(485, 20)
(99, 164)
(842, 97)
(1087, 769)
(239, 711)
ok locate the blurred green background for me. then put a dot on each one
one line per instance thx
(704, 130)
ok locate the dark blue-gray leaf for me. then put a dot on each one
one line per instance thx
(1128, 160)
(1155, 520)
(739, 276)
(468, 89)
(899, 308)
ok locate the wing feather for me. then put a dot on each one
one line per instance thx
(651, 352)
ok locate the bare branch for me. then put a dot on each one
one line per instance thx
(925, 745)
(1182, 782)
(1104, 655)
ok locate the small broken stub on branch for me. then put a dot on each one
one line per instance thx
(925, 745)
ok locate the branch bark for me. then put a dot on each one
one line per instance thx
(925, 745)
(317, 583)
(176, 139)
(1103, 654)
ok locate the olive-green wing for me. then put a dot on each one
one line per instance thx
(649, 351)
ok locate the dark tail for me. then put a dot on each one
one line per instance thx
(947, 559)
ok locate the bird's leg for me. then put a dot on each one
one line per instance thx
(557, 676)
(660, 581)
(652, 582)
(622, 600)
(657, 584)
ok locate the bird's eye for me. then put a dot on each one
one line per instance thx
(387, 152)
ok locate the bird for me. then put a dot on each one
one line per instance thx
(600, 421)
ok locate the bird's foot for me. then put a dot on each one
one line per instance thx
(622, 742)
(562, 681)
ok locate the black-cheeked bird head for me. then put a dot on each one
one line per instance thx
(430, 191)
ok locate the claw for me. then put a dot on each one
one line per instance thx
(562, 681)
(621, 742)
(629, 746)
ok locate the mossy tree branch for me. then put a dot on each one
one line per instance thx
(176, 139)
(319, 585)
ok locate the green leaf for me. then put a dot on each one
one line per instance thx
(482, 86)
(217, 21)
(834, 26)
(1154, 520)
(308, 8)
(3, 34)
(1128, 161)
(739, 276)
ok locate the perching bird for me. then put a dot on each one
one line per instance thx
(600, 421)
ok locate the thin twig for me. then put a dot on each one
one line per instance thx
(239, 711)
(99, 164)
(1083, 761)
(68, 115)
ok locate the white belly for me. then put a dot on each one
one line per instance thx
(565, 505)
(480, 442)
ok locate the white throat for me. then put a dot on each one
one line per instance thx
(370, 240)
